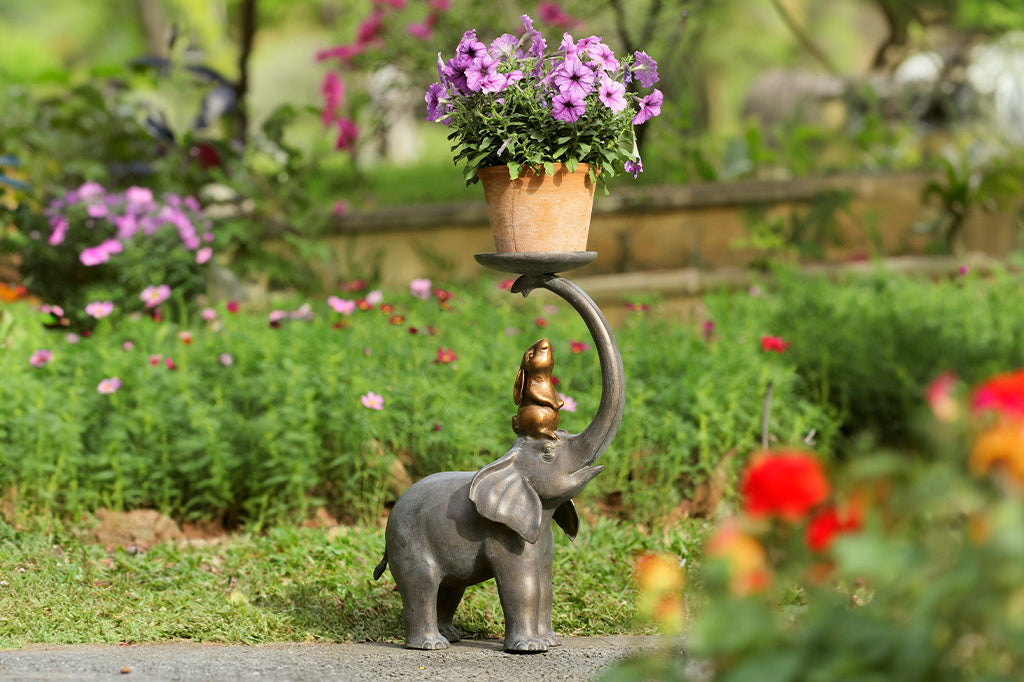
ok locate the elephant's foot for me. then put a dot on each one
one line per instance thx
(552, 639)
(449, 632)
(526, 645)
(427, 642)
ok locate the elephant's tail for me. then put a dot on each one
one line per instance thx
(379, 570)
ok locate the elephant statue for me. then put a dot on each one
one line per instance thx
(454, 529)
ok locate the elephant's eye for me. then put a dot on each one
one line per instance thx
(549, 452)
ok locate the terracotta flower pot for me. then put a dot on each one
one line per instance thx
(539, 212)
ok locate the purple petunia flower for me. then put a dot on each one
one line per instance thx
(482, 75)
(600, 56)
(455, 73)
(437, 102)
(575, 78)
(537, 42)
(505, 48)
(634, 167)
(470, 47)
(650, 106)
(566, 107)
(645, 69)
(612, 93)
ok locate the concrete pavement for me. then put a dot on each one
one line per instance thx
(579, 659)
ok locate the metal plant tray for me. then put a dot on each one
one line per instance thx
(536, 262)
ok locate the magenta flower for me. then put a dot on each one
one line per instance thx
(203, 255)
(341, 305)
(155, 295)
(575, 78)
(348, 131)
(99, 309)
(645, 69)
(565, 107)
(333, 91)
(41, 357)
(650, 106)
(419, 30)
(340, 207)
(372, 401)
(552, 13)
(108, 386)
(420, 288)
(612, 94)
(60, 230)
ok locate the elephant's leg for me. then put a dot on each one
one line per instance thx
(547, 596)
(520, 592)
(418, 584)
(448, 599)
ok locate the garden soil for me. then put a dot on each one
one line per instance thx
(579, 658)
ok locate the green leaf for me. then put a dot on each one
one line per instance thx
(571, 163)
(549, 168)
(513, 169)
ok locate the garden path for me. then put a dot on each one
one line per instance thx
(580, 658)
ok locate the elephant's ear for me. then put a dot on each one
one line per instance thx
(503, 495)
(567, 519)
(517, 390)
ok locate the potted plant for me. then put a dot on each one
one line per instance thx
(540, 127)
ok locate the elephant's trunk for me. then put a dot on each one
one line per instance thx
(595, 439)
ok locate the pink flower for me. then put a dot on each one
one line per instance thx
(569, 402)
(374, 297)
(612, 93)
(650, 106)
(232, 307)
(155, 295)
(41, 358)
(99, 309)
(506, 284)
(445, 356)
(372, 401)
(108, 386)
(941, 398)
(420, 288)
(340, 207)
(170, 364)
(208, 314)
(155, 359)
(186, 337)
(341, 305)
(203, 255)
(226, 359)
(127, 346)
(418, 30)
(138, 196)
(72, 338)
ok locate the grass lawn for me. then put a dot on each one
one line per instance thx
(286, 584)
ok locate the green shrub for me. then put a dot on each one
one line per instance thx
(282, 430)
(869, 346)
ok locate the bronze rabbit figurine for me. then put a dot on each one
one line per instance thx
(535, 394)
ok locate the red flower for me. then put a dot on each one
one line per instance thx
(446, 355)
(787, 484)
(506, 284)
(232, 306)
(396, 319)
(830, 522)
(363, 304)
(638, 307)
(578, 347)
(1003, 393)
(773, 343)
(387, 308)
(170, 364)
(541, 322)
(443, 295)
(340, 324)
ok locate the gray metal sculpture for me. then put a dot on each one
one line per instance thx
(458, 528)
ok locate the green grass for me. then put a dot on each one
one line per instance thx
(288, 584)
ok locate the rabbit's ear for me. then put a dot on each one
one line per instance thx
(517, 390)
